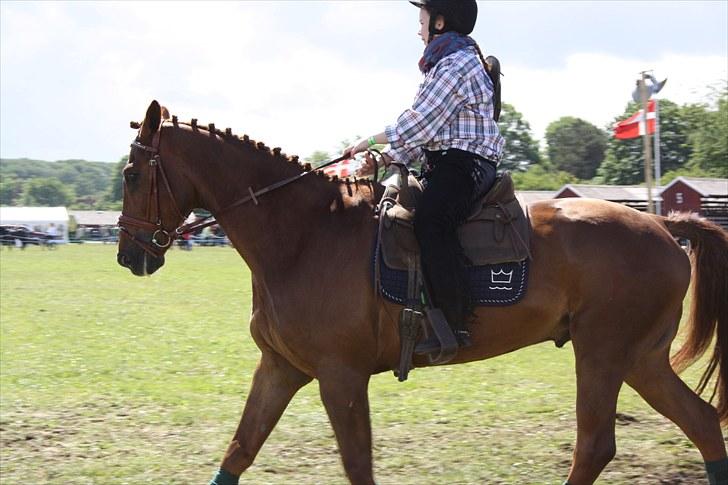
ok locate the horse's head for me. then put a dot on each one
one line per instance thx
(156, 197)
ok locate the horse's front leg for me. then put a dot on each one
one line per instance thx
(275, 383)
(344, 394)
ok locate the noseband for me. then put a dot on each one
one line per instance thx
(161, 238)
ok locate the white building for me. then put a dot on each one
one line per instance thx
(37, 219)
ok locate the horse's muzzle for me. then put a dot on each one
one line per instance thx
(140, 264)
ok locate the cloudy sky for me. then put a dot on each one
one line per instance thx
(304, 75)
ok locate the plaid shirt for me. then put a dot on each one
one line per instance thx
(453, 109)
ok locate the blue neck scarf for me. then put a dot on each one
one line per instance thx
(442, 46)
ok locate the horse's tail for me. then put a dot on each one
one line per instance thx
(709, 308)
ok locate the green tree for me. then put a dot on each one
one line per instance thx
(576, 146)
(115, 190)
(521, 149)
(710, 141)
(622, 165)
(47, 192)
(668, 177)
(318, 157)
(11, 189)
(542, 177)
(90, 181)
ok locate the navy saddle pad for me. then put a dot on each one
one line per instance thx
(491, 285)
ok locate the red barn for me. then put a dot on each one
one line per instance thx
(705, 196)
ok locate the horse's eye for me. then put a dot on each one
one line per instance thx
(131, 177)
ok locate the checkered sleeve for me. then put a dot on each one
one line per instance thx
(436, 103)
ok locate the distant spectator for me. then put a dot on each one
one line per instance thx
(185, 241)
(52, 237)
(207, 233)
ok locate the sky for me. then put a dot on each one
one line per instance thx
(306, 75)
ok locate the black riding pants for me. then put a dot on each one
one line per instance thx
(454, 180)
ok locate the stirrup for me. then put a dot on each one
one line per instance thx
(442, 334)
(431, 344)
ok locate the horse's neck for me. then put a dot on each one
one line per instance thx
(285, 225)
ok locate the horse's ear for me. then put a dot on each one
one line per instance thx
(151, 121)
(165, 113)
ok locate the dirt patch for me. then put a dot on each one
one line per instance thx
(73, 441)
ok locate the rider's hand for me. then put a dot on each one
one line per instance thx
(369, 164)
(367, 167)
(358, 147)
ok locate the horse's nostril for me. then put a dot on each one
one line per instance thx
(122, 260)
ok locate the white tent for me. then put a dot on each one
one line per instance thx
(95, 218)
(37, 219)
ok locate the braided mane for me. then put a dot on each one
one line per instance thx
(245, 141)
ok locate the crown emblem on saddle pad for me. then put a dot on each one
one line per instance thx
(501, 277)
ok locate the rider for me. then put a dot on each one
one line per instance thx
(453, 124)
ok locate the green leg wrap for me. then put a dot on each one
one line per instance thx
(224, 478)
(717, 472)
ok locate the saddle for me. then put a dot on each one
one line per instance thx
(497, 231)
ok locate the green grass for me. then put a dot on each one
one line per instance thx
(106, 378)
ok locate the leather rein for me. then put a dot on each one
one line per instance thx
(162, 238)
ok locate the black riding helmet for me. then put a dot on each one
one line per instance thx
(459, 15)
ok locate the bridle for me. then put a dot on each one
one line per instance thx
(162, 238)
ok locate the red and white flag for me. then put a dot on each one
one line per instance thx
(633, 127)
(343, 169)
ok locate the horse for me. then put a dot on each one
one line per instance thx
(607, 277)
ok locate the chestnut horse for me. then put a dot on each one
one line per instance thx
(609, 278)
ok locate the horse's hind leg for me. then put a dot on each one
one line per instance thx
(657, 383)
(275, 383)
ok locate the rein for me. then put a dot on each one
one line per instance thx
(161, 238)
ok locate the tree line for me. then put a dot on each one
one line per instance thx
(78, 184)
(693, 141)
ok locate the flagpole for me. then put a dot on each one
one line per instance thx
(646, 140)
(658, 168)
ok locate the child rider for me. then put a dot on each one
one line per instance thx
(453, 124)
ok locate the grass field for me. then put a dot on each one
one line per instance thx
(111, 379)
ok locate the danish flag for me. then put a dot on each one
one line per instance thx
(633, 127)
(343, 169)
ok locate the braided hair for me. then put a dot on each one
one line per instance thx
(492, 66)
